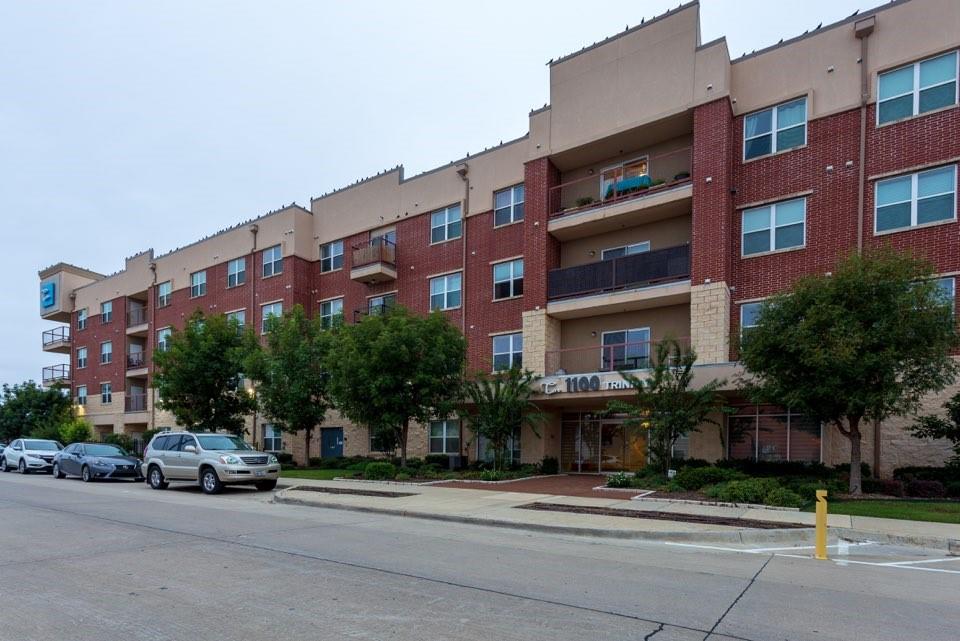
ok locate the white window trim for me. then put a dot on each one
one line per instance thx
(108, 393)
(106, 312)
(446, 224)
(512, 279)
(772, 229)
(446, 435)
(236, 274)
(916, 87)
(742, 306)
(775, 129)
(82, 316)
(82, 396)
(200, 285)
(446, 291)
(512, 354)
(914, 191)
(512, 206)
(273, 262)
(332, 315)
(603, 252)
(332, 256)
(263, 316)
(163, 300)
(603, 346)
(110, 353)
(86, 357)
(161, 344)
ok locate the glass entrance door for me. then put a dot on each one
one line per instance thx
(622, 449)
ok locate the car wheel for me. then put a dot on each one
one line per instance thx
(86, 474)
(266, 486)
(22, 467)
(3, 465)
(210, 482)
(155, 479)
(57, 474)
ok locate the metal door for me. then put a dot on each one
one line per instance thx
(331, 442)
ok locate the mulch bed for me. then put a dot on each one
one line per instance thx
(343, 490)
(663, 516)
(561, 485)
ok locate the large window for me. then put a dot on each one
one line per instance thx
(239, 317)
(236, 272)
(948, 291)
(775, 129)
(106, 352)
(106, 393)
(445, 437)
(485, 452)
(331, 256)
(507, 351)
(81, 357)
(915, 199)
(445, 291)
(626, 349)
(272, 438)
(272, 261)
(268, 311)
(445, 224)
(163, 339)
(508, 206)
(749, 316)
(772, 434)
(106, 312)
(163, 293)
(508, 279)
(381, 441)
(331, 312)
(918, 88)
(773, 227)
(381, 304)
(626, 250)
(82, 319)
(81, 394)
(198, 284)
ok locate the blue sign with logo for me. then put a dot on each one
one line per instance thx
(48, 294)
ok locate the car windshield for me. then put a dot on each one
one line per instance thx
(222, 442)
(97, 449)
(46, 446)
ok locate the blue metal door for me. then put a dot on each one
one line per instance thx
(331, 442)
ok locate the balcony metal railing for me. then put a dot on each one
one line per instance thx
(56, 335)
(56, 373)
(604, 358)
(664, 171)
(635, 270)
(378, 250)
(136, 360)
(135, 403)
(136, 316)
(372, 310)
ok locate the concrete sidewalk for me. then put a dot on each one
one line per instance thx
(495, 507)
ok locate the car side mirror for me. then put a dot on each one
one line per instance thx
(190, 448)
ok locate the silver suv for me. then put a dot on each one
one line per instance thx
(212, 459)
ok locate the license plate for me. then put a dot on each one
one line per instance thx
(260, 473)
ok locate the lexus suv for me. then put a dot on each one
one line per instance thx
(29, 455)
(213, 460)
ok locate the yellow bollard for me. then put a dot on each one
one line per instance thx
(821, 542)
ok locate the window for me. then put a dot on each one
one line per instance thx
(82, 319)
(626, 349)
(106, 393)
(775, 129)
(618, 252)
(485, 453)
(81, 394)
(268, 311)
(681, 447)
(198, 284)
(106, 352)
(331, 312)
(163, 293)
(381, 441)
(81, 357)
(239, 317)
(917, 88)
(106, 312)
(381, 304)
(508, 206)
(445, 224)
(445, 437)
(163, 339)
(507, 351)
(236, 272)
(331, 256)
(445, 292)
(749, 316)
(772, 434)
(915, 199)
(272, 261)
(272, 439)
(508, 279)
(948, 291)
(624, 178)
(774, 227)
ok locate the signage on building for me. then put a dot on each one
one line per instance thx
(585, 383)
(48, 294)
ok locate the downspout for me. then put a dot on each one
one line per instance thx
(462, 170)
(152, 339)
(253, 309)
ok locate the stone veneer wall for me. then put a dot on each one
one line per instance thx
(541, 334)
(710, 322)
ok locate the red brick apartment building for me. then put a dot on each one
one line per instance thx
(664, 191)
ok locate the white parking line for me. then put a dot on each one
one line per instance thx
(842, 546)
(947, 560)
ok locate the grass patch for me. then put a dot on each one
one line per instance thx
(318, 475)
(935, 511)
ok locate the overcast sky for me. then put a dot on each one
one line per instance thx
(129, 125)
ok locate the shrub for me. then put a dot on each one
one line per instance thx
(379, 471)
(285, 458)
(584, 201)
(778, 468)
(888, 487)
(925, 489)
(316, 461)
(953, 489)
(402, 476)
(619, 480)
(75, 430)
(492, 475)
(441, 461)
(414, 463)
(926, 473)
(681, 463)
(753, 490)
(844, 470)
(693, 478)
(549, 465)
(124, 441)
(782, 497)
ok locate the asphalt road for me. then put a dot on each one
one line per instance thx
(118, 561)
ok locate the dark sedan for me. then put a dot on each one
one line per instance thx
(91, 461)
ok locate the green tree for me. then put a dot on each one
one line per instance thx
(866, 343)
(667, 405)
(938, 427)
(290, 373)
(391, 369)
(498, 406)
(75, 430)
(198, 375)
(27, 407)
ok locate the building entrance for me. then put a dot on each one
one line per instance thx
(591, 444)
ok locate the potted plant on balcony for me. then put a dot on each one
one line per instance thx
(683, 175)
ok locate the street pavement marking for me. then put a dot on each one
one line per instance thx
(842, 546)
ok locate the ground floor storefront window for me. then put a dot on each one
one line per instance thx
(485, 452)
(591, 443)
(768, 433)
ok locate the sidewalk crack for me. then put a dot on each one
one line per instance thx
(739, 596)
(650, 636)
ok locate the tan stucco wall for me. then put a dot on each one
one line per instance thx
(710, 322)
(707, 441)
(661, 234)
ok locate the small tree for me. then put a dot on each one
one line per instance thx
(391, 369)
(290, 373)
(498, 406)
(26, 408)
(667, 405)
(198, 376)
(75, 430)
(938, 427)
(867, 342)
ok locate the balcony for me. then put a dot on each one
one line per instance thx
(135, 403)
(56, 374)
(137, 321)
(604, 358)
(372, 310)
(57, 340)
(136, 363)
(374, 262)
